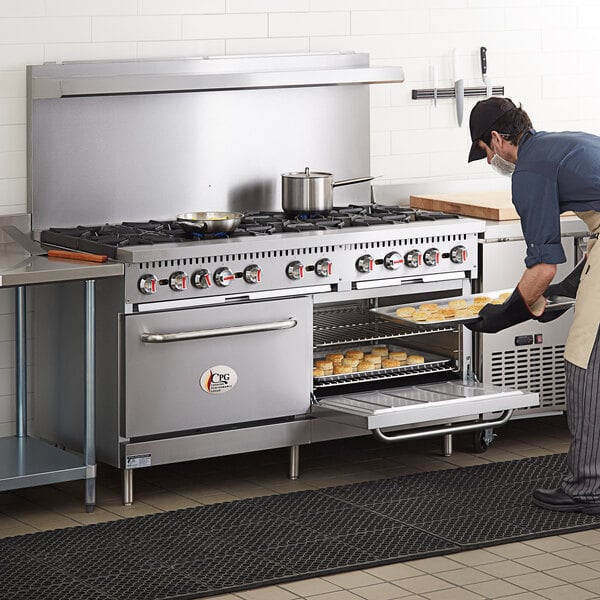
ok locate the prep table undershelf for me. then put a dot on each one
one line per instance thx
(28, 461)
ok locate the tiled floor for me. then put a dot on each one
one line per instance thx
(560, 567)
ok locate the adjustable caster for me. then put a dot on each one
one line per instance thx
(482, 440)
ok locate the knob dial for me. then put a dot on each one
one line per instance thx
(392, 261)
(201, 279)
(295, 270)
(178, 281)
(223, 276)
(365, 263)
(412, 259)
(458, 254)
(323, 267)
(431, 257)
(252, 274)
(147, 284)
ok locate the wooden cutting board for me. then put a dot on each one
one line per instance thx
(495, 206)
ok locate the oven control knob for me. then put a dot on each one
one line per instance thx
(323, 267)
(295, 270)
(178, 281)
(392, 261)
(365, 263)
(458, 254)
(412, 259)
(252, 274)
(223, 276)
(201, 279)
(431, 257)
(147, 284)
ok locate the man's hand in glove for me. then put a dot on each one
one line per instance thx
(567, 287)
(496, 317)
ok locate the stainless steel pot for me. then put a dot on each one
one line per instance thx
(209, 222)
(311, 191)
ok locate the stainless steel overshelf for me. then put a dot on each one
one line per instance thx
(19, 268)
(27, 461)
(198, 75)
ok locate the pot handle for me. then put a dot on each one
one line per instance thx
(350, 181)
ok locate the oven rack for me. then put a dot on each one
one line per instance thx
(437, 366)
(349, 325)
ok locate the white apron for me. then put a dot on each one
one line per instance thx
(582, 334)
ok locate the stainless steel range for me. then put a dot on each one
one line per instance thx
(206, 346)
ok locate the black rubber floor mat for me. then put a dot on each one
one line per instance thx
(229, 547)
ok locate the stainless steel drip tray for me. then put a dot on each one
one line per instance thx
(410, 405)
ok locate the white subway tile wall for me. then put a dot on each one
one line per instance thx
(544, 52)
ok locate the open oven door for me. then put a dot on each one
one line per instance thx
(443, 408)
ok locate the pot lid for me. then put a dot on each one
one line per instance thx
(308, 174)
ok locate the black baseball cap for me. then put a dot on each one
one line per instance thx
(483, 116)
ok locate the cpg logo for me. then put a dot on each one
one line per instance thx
(218, 379)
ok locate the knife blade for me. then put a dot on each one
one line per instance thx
(36, 249)
(459, 89)
(488, 84)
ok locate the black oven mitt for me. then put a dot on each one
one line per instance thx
(496, 317)
(567, 287)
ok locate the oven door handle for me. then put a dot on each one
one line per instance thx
(161, 338)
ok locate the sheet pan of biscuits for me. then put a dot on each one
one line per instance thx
(364, 359)
(462, 309)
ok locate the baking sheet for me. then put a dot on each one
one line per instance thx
(389, 312)
(430, 360)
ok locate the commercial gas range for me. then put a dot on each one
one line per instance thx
(205, 347)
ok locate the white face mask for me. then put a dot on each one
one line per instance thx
(502, 166)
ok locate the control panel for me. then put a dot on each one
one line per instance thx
(342, 265)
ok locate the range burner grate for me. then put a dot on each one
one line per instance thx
(105, 239)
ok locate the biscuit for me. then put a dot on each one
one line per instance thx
(397, 355)
(405, 311)
(461, 313)
(379, 350)
(318, 372)
(505, 295)
(334, 358)
(415, 359)
(355, 354)
(350, 362)
(481, 299)
(372, 358)
(341, 370)
(429, 307)
(434, 317)
(365, 366)
(388, 363)
(420, 315)
(326, 365)
(459, 303)
(448, 313)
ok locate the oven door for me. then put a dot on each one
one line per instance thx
(408, 406)
(219, 365)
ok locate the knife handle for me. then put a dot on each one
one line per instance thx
(100, 258)
(483, 56)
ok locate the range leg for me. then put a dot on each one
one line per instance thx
(89, 451)
(294, 462)
(127, 487)
(448, 444)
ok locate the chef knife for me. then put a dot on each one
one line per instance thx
(459, 89)
(36, 249)
(488, 84)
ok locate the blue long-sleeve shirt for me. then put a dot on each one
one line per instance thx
(554, 173)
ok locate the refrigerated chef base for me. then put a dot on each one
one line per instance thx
(239, 545)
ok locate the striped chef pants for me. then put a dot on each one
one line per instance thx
(582, 480)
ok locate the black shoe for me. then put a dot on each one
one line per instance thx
(561, 501)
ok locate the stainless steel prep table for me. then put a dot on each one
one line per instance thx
(26, 461)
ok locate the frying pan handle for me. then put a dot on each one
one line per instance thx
(351, 181)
